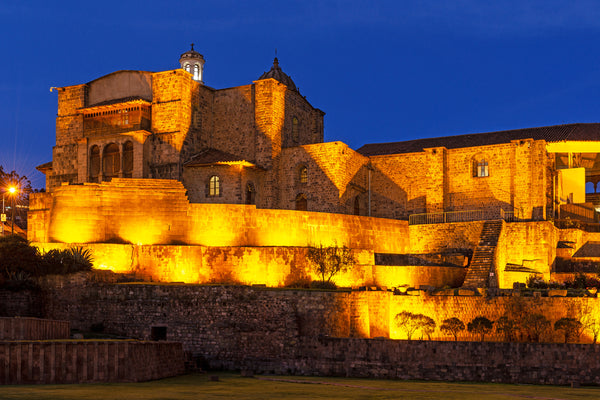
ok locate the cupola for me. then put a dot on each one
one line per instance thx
(193, 62)
(276, 73)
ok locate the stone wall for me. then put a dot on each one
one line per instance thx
(49, 362)
(33, 329)
(20, 303)
(524, 363)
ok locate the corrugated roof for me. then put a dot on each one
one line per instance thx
(556, 133)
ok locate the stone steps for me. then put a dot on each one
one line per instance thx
(483, 256)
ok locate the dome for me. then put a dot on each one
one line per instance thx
(191, 55)
(193, 62)
(280, 76)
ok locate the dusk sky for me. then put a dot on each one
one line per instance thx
(381, 70)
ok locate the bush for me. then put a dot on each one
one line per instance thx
(66, 261)
(16, 255)
(323, 285)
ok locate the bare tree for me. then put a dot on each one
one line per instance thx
(570, 326)
(407, 322)
(426, 325)
(535, 325)
(452, 326)
(480, 326)
(507, 327)
(328, 261)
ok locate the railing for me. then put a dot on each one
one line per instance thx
(462, 216)
(446, 217)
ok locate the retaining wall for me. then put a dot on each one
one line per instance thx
(29, 362)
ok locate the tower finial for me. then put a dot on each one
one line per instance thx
(192, 46)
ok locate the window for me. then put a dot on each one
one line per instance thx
(356, 206)
(303, 174)
(480, 168)
(94, 163)
(197, 72)
(127, 159)
(214, 186)
(301, 202)
(250, 193)
(295, 135)
(111, 162)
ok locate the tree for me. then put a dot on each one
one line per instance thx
(452, 326)
(328, 261)
(480, 326)
(570, 326)
(408, 322)
(588, 316)
(507, 327)
(23, 186)
(426, 325)
(534, 326)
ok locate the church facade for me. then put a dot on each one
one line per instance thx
(262, 144)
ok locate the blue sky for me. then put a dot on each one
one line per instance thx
(381, 70)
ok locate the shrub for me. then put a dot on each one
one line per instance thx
(323, 285)
(16, 254)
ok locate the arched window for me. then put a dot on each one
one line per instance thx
(188, 68)
(250, 193)
(111, 162)
(303, 174)
(197, 72)
(94, 163)
(295, 134)
(480, 168)
(301, 202)
(127, 159)
(214, 186)
(356, 206)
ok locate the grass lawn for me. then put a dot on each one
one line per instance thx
(199, 386)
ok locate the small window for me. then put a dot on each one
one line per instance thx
(301, 202)
(158, 333)
(356, 206)
(295, 134)
(303, 174)
(250, 193)
(214, 186)
(197, 72)
(480, 168)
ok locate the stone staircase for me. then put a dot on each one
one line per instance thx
(483, 257)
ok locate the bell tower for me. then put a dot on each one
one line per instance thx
(193, 62)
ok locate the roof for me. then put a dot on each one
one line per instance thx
(556, 133)
(214, 156)
(44, 167)
(276, 73)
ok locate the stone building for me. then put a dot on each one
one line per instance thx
(262, 144)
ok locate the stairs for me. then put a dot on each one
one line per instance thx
(482, 262)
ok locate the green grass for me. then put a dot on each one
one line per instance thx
(199, 386)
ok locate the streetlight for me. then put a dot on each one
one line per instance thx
(13, 192)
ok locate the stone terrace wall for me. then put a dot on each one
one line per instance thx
(111, 211)
(88, 361)
(24, 303)
(529, 363)
(33, 329)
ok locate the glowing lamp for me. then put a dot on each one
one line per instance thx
(12, 190)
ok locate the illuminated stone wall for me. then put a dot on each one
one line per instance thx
(441, 179)
(258, 328)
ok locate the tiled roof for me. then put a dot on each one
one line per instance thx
(44, 167)
(556, 133)
(213, 156)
